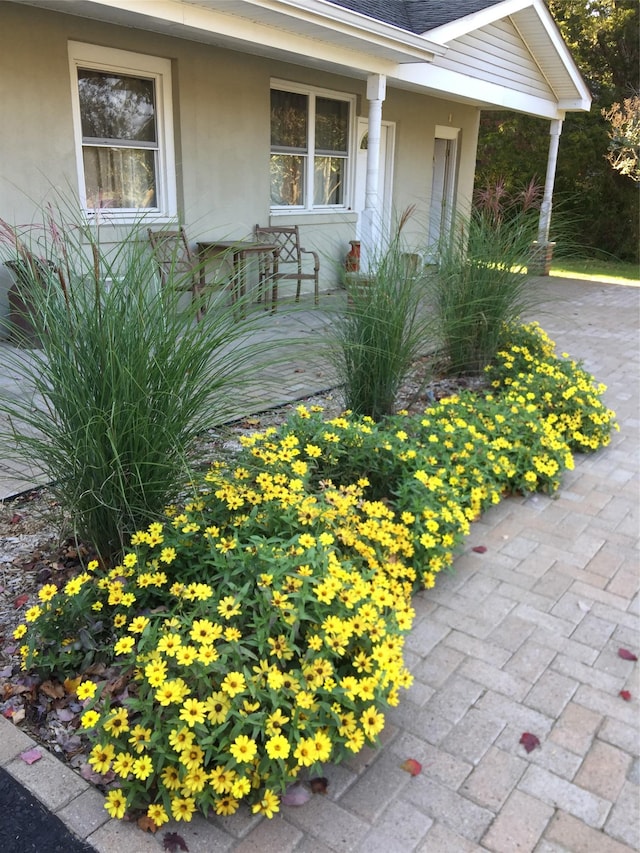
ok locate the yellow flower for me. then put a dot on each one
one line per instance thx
(100, 757)
(228, 607)
(116, 803)
(182, 808)
(138, 624)
(278, 747)
(156, 672)
(372, 721)
(322, 746)
(222, 779)
(243, 749)
(193, 712)
(157, 814)
(142, 767)
(241, 787)
(117, 722)
(226, 805)
(268, 805)
(33, 613)
(217, 707)
(139, 738)
(130, 560)
(171, 778)
(124, 645)
(168, 555)
(305, 752)
(47, 592)
(123, 764)
(191, 756)
(205, 632)
(89, 719)
(233, 683)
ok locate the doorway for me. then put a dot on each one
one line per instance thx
(443, 185)
(381, 227)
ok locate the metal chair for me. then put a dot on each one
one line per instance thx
(177, 265)
(287, 237)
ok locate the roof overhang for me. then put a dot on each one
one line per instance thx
(325, 36)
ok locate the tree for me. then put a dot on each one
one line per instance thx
(595, 205)
(624, 137)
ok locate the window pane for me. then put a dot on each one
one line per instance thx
(328, 180)
(114, 106)
(120, 177)
(288, 120)
(287, 179)
(332, 121)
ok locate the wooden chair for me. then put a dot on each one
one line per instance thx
(177, 265)
(287, 237)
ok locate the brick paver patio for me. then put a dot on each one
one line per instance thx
(521, 638)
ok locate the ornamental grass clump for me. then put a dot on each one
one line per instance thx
(125, 379)
(375, 343)
(480, 282)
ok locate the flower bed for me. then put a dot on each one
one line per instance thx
(258, 630)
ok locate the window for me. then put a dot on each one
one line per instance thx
(310, 136)
(124, 134)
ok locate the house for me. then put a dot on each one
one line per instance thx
(330, 114)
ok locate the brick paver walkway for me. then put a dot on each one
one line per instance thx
(521, 638)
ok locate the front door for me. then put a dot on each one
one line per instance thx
(442, 192)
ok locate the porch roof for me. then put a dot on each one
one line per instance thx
(494, 55)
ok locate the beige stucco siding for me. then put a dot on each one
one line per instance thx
(221, 130)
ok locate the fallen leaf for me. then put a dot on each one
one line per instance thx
(20, 600)
(529, 741)
(18, 716)
(71, 684)
(172, 842)
(146, 824)
(53, 689)
(625, 695)
(319, 785)
(584, 607)
(15, 519)
(625, 654)
(31, 756)
(296, 795)
(412, 766)
(7, 672)
(480, 549)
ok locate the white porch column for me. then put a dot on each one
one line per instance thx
(376, 91)
(555, 130)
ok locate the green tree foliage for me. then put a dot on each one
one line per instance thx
(595, 206)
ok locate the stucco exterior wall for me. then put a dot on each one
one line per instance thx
(221, 131)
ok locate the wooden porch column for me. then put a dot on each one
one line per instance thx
(543, 248)
(376, 92)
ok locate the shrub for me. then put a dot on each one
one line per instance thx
(124, 382)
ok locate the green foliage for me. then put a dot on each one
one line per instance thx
(480, 283)
(595, 208)
(124, 382)
(259, 629)
(375, 343)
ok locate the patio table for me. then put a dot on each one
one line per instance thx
(239, 250)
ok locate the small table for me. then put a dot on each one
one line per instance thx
(239, 250)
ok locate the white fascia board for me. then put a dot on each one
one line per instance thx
(441, 82)
(366, 35)
(339, 18)
(476, 20)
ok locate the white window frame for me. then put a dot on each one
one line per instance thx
(112, 60)
(312, 92)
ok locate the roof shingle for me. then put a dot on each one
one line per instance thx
(415, 16)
